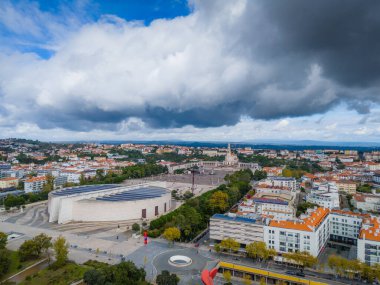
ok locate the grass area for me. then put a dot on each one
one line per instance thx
(16, 264)
(65, 275)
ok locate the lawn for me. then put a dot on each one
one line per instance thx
(16, 264)
(66, 275)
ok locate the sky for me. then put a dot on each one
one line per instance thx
(197, 70)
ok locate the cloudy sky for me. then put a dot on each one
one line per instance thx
(238, 70)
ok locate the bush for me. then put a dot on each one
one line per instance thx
(135, 227)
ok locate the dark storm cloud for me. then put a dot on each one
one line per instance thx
(342, 35)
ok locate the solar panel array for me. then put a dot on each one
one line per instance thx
(84, 189)
(135, 194)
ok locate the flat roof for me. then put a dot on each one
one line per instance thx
(84, 189)
(141, 193)
(236, 219)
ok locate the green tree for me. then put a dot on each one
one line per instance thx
(28, 250)
(172, 234)
(3, 240)
(230, 244)
(42, 244)
(165, 278)
(247, 280)
(304, 259)
(217, 248)
(5, 262)
(135, 227)
(61, 250)
(258, 249)
(227, 275)
(49, 185)
(218, 201)
(259, 175)
(94, 277)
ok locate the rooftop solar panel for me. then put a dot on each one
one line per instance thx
(83, 189)
(134, 194)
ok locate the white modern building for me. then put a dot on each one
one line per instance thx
(279, 181)
(325, 195)
(272, 207)
(366, 202)
(108, 203)
(306, 234)
(369, 241)
(244, 230)
(34, 184)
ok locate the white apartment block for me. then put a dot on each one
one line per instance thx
(34, 184)
(345, 226)
(73, 176)
(243, 229)
(369, 241)
(325, 195)
(275, 208)
(308, 234)
(279, 181)
(366, 202)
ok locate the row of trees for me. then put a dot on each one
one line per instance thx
(33, 249)
(193, 216)
(125, 272)
(130, 172)
(18, 201)
(351, 268)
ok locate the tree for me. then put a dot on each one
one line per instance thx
(218, 201)
(3, 240)
(35, 247)
(172, 234)
(230, 244)
(217, 248)
(49, 185)
(165, 278)
(304, 259)
(5, 262)
(61, 249)
(94, 277)
(258, 249)
(247, 279)
(227, 275)
(135, 227)
(259, 175)
(42, 243)
(28, 250)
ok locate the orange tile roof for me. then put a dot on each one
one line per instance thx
(35, 179)
(349, 213)
(373, 231)
(8, 179)
(307, 224)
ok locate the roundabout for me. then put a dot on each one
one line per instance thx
(180, 261)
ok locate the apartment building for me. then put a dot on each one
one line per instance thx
(346, 186)
(325, 195)
(366, 202)
(274, 207)
(279, 181)
(34, 184)
(244, 230)
(345, 226)
(369, 241)
(8, 182)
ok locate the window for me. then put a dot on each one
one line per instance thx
(156, 210)
(143, 213)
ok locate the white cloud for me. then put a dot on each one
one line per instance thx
(113, 77)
